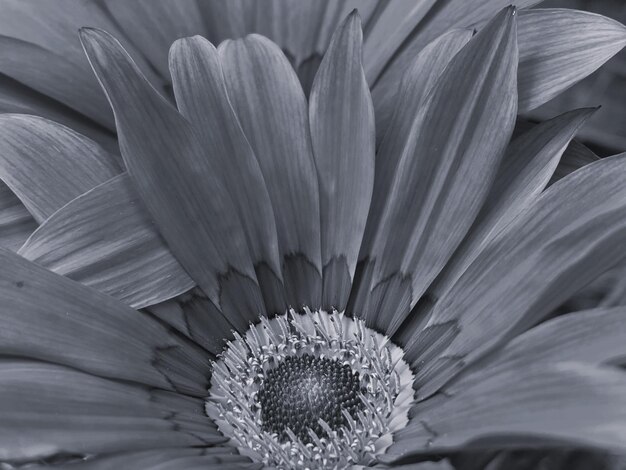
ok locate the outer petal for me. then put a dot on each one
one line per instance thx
(575, 231)
(16, 223)
(178, 183)
(560, 47)
(47, 165)
(592, 337)
(153, 25)
(527, 166)
(208, 458)
(444, 172)
(201, 97)
(526, 169)
(48, 409)
(557, 47)
(443, 17)
(18, 98)
(272, 109)
(397, 121)
(398, 108)
(524, 407)
(52, 27)
(342, 132)
(51, 318)
(394, 24)
(105, 239)
(576, 156)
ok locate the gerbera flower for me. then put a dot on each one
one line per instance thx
(287, 354)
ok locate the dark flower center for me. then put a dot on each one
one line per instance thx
(301, 390)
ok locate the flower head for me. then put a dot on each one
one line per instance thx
(331, 303)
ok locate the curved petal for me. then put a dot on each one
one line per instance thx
(444, 172)
(178, 183)
(574, 232)
(16, 98)
(444, 16)
(576, 156)
(54, 319)
(591, 337)
(47, 164)
(153, 25)
(53, 26)
(398, 106)
(53, 75)
(559, 47)
(528, 406)
(271, 106)
(396, 121)
(342, 132)
(201, 97)
(105, 239)
(391, 28)
(165, 458)
(48, 409)
(16, 223)
(526, 169)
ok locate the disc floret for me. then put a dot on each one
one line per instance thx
(312, 390)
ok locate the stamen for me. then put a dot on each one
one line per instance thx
(317, 390)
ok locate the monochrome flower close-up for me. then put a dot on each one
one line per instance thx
(303, 249)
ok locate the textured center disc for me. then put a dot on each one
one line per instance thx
(301, 390)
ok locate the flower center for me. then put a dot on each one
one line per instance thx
(305, 389)
(316, 390)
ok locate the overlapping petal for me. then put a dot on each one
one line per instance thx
(444, 172)
(178, 183)
(272, 109)
(342, 133)
(575, 231)
(105, 239)
(47, 165)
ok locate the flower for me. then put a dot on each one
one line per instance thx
(314, 258)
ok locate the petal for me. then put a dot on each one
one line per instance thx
(153, 25)
(592, 337)
(53, 27)
(455, 147)
(17, 98)
(547, 405)
(53, 75)
(398, 120)
(105, 239)
(48, 409)
(443, 17)
(557, 48)
(441, 465)
(272, 109)
(394, 24)
(201, 97)
(560, 47)
(527, 166)
(47, 165)
(576, 156)
(193, 315)
(54, 319)
(342, 133)
(399, 106)
(16, 223)
(573, 233)
(177, 182)
(208, 458)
